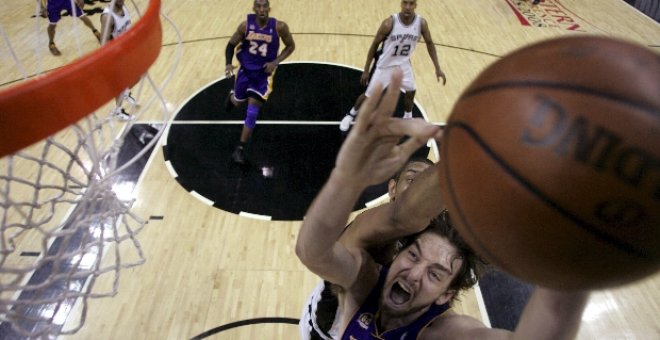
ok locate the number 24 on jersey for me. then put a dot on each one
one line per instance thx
(255, 48)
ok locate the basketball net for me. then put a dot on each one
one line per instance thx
(67, 229)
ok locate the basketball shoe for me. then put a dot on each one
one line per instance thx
(129, 98)
(121, 114)
(345, 123)
(238, 156)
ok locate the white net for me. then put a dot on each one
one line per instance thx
(65, 210)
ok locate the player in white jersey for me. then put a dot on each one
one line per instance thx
(115, 20)
(119, 20)
(399, 34)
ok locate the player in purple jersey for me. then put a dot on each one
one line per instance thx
(74, 8)
(408, 298)
(258, 42)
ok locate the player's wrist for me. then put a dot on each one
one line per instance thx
(347, 179)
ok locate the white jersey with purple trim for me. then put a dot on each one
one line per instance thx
(120, 23)
(401, 42)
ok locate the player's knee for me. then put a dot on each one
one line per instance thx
(251, 116)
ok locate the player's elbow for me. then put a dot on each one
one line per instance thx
(313, 258)
(308, 259)
(301, 252)
(304, 254)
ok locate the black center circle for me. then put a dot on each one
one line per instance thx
(292, 149)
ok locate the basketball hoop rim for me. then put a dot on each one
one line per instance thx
(39, 107)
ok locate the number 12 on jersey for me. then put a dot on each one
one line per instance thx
(405, 50)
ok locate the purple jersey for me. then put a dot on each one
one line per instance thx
(261, 44)
(363, 323)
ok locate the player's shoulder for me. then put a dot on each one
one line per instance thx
(386, 26)
(281, 26)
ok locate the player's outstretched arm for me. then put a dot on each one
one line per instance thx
(370, 154)
(549, 315)
(410, 213)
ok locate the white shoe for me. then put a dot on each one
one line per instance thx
(346, 123)
(130, 99)
(407, 115)
(122, 115)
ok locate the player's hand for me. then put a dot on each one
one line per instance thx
(229, 71)
(439, 74)
(371, 152)
(270, 67)
(364, 78)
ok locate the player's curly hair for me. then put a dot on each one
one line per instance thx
(473, 266)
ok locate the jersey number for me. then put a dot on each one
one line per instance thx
(255, 48)
(405, 50)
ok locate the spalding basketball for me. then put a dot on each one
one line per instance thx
(551, 163)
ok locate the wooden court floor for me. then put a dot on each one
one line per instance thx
(207, 268)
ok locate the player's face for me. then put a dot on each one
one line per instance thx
(261, 8)
(406, 177)
(420, 276)
(408, 7)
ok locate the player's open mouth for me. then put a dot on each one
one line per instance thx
(399, 294)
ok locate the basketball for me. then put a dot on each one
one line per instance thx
(551, 163)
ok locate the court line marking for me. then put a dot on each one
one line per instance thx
(202, 198)
(255, 216)
(170, 168)
(242, 323)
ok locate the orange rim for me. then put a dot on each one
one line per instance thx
(39, 107)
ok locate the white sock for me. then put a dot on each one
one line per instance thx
(353, 112)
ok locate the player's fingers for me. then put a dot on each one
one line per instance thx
(419, 132)
(368, 108)
(374, 110)
(438, 136)
(415, 128)
(388, 102)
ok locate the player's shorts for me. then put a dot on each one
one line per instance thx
(383, 75)
(55, 8)
(309, 325)
(251, 83)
